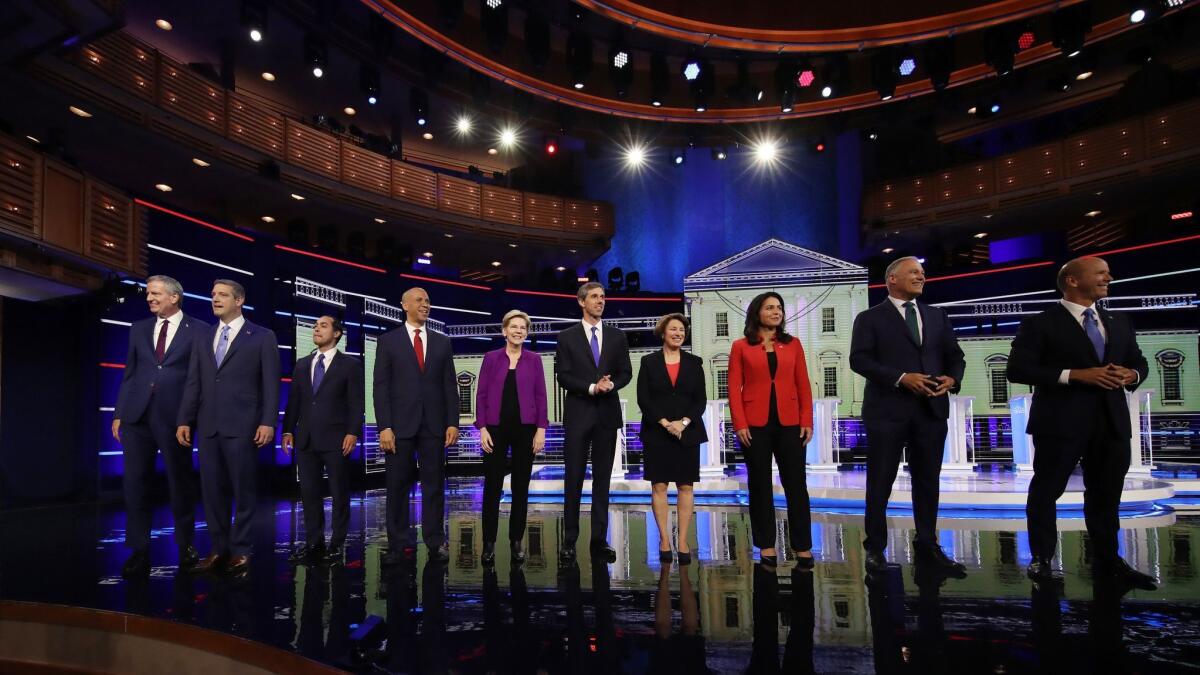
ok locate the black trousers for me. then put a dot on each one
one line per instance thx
(519, 439)
(140, 441)
(579, 442)
(424, 456)
(924, 435)
(1105, 460)
(309, 464)
(784, 444)
(229, 468)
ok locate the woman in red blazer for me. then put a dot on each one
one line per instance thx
(770, 401)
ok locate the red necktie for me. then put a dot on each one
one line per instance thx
(419, 348)
(160, 347)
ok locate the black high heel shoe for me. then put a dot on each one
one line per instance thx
(806, 563)
(685, 558)
(665, 556)
(769, 560)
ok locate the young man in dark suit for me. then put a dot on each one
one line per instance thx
(910, 357)
(156, 368)
(416, 411)
(323, 422)
(232, 396)
(1080, 359)
(592, 365)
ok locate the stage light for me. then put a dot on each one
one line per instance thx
(1070, 26)
(678, 156)
(660, 79)
(448, 235)
(350, 111)
(560, 268)
(369, 82)
(766, 151)
(316, 54)
(1092, 214)
(873, 136)
(1137, 15)
(381, 221)
(79, 112)
(972, 110)
(551, 145)
(805, 75)
(907, 66)
(921, 260)
(463, 125)
(268, 76)
(418, 105)
(579, 57)
(492, 151)
(428, 254)
(995, 108)
(297, 197)
(719, 153)
(162, 187)
(939, 62)
(268, 219)
(998, 49)
(826, 91)
(254, 19)
(199, 162)
(495, 263)
(428, 135)
(1025, 40)
(889, 249)
(656, 103)
(885, 72)
(163, 24)
(1181, 215)
(424, 261)
(1083, 75)
(508, 137)
(635, 156)
(787, 101)
(819, 147)
(980, 235)
(691, 70)
(512, 245)
(620, 59)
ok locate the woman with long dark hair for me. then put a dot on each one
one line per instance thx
(770, 400)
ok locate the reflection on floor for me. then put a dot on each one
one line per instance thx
(722, 613)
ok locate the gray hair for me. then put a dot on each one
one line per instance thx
(239, 291)
(587, 288)
(172, 286)
(516, 314)
(891, 269)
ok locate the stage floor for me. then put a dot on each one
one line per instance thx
(723, 613)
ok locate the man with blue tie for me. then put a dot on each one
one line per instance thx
(1081, 359)
(232, 397)
(144, 421)
(416, 412)
(323, 422)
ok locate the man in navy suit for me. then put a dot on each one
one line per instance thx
(1080, 359)
(144, 421)
(592, 364)
(910, 358)
(232, 395)
(416, 411)
(323, 422)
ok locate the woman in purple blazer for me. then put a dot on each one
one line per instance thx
(510, 413)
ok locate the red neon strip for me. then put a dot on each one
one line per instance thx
(1150, 245)
(572, 296)
(285, 379)
(112, 365)
(445, 281)
(318, 256)
(979, 273)
(190, 219)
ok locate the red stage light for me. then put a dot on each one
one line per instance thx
(551, 145)
(805, 78)
(1181, 215)
(1026, 40)
(820, 147)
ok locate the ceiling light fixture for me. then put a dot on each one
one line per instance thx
(268, 76)
(199, 162)
(80, 112)
(162, 187)
(349, 111)
(268, 219)
(163, 24)
(297, 197)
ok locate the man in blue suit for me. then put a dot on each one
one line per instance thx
(144, 421)
(232, 395)
(416, 411)
(910, 358)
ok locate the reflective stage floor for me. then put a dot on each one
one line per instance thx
(723, 613)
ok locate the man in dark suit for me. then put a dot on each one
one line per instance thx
(323, 422)
(910, 358)
(232, 395)
(144, 421)
(1080, 359)
(592, 365)
(416, 411)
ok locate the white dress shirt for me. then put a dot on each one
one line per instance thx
(173, 323)
(1077, 313)
(587, 333)
(412, 335)
(312, 367)
(235, 327)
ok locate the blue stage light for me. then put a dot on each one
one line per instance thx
(907, 66)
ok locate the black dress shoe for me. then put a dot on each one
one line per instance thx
(489, 555)
(238, 564)
(188, 557)
(1042, 572)
(300, 555)
(603, 552)
(876, 563)
(518, 554)
(336, 555)
(933, 555)
(440, 554)
(566, 554)
(137, 566)
(1124, 575)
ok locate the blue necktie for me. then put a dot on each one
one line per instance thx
(1092, 328)
(319, 372)
(222, 345)
(595, 346)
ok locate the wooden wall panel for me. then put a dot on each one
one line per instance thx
(255, 127)
(414, 184)
(456, 195)
(62, 197)
(587, 216)
(966, 182)
(190, 96)
(1029, 168)
(1174, 129)
(1103, 149)
(20, 187)
(366, 170)
(501, 205)
(109, 235)
(314, 150)
(124, 63)
(544, 212)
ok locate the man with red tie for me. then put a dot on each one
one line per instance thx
(144, 421)
(416, 412)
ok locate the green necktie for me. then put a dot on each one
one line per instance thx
(910, 318)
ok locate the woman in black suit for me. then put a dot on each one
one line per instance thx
(671, 394)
